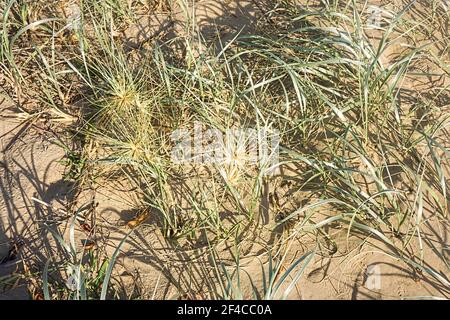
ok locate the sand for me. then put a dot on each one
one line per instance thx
(30, 169)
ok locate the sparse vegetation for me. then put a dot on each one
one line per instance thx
(361, 114)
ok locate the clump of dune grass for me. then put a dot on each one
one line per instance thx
(349, 144)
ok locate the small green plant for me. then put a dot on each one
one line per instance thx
(86, 273)
(276, 284)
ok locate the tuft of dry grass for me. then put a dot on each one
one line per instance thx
(358, 143)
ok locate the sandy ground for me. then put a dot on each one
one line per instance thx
(30, 168)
